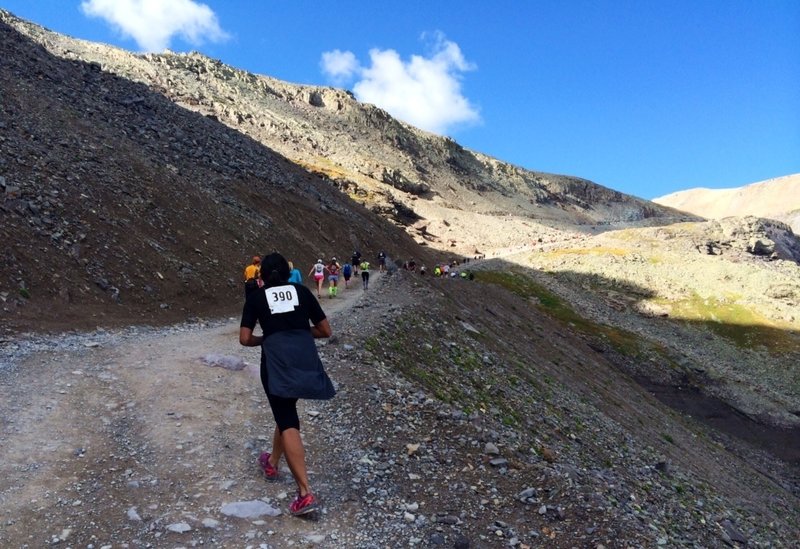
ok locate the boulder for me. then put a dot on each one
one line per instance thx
(761, 246)
(396, 179)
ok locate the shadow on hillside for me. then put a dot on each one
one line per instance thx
(170, 190)
(681, 381)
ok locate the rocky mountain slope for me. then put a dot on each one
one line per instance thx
(119, 205)
(716, 317)
(424, 182)
(777, 198)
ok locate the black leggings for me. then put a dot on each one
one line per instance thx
(284, 410)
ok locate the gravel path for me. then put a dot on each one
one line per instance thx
(130, 439)
(128, 436)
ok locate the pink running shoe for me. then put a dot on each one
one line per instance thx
(270, 472)
(302, 505)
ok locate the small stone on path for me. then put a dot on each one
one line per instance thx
(249, 509)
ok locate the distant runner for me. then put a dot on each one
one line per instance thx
(365, 273)
(347, 271)
(251, 273)
(333, 277)
(318, 272)
(355, 261)
(382, 261)
(295, 276)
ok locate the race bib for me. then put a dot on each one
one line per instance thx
(282, 299)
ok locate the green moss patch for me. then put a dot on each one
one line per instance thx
(625, 342)
(737, 323)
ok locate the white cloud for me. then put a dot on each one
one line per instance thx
(424, 91)
(339, 65)
(153, 23)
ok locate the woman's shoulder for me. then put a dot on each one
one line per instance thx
(302, 289)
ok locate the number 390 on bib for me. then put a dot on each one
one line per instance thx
(282, 299)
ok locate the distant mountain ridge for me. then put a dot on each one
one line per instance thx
(418, 180)
(777, 198)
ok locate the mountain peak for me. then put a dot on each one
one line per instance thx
(777, 198)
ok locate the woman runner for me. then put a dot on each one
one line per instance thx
(365, 273)
(318, 272)
(290, 366)
(333, 277)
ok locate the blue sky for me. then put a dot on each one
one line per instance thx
(644, 97)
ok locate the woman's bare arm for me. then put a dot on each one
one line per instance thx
(247, 338)
(323, 329)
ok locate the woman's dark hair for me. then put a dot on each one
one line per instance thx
(274, 269)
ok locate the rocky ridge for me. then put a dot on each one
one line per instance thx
(399, 171)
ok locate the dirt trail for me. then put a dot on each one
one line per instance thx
(109, 444)
(127, 439)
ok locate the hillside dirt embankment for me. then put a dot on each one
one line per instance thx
(129, 438)
(119, 207)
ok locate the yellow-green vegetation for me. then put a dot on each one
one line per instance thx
(325, 167)
(646, 236)
(685, 228)
(629, 235)
(465, 359)
(601, 251)
(737, 323)
(422, 365)
(623, 341)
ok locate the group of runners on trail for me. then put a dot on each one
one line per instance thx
(290, 319)
(452, 270)
(334, 270)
